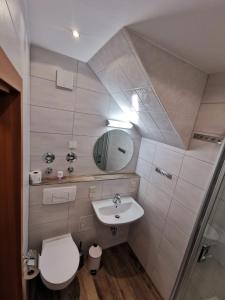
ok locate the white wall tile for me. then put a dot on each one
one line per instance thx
(162, 182)
(143, 168)
(51, 120)
(196, 172)
(182, 216)
(158, 198)
(147, 150)
(168, 160)
(203, 150)
(189, 195)
(176, 236)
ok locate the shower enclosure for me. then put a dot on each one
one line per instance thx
(202, 276)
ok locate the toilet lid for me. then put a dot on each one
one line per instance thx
(59, 259)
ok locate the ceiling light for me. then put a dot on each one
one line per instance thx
(119, 124)
(76, 34)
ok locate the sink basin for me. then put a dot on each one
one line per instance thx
(126, 212)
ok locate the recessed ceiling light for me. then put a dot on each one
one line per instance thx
(76, 34)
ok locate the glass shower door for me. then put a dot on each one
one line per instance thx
(207, 278)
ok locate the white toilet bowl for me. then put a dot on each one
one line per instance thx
(58, 262)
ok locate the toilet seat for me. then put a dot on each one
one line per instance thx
(59, 261)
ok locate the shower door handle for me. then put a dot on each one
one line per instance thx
(204, 253)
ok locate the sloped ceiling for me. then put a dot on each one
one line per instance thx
(158, 92)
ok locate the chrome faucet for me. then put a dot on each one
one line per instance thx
(117, 199)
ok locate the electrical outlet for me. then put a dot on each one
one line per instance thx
(92, 192)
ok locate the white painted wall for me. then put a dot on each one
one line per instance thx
(14, 42)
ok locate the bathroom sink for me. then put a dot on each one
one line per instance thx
(125, 212)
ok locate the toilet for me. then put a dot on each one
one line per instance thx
(58, 262)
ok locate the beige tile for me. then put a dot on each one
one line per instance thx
(164, 277)
(79, 209)
(83, 190)
(203, 150)
(111, 187)
(158, 198)
(114, 78)
(196, 172)
(182, 217)
(41, 143)
(133, 71)
(85, 145)
(85, 165)
(86, 78)
(176, 236)
(60, 164)
(153, 216)
(51, 120)
(44, 63)
(189, 195)
(215, 88)
(44, 93)
(170, 253)
(91, 125)
(91, 102)
(145, 242)
(39, 232)
(168, 160)
(40, 214)
(211, 119)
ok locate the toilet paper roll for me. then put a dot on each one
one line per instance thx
(94, 259)
(35, 176)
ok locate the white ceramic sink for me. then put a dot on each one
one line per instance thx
(126, 212)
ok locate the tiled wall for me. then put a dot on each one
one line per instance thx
(77, 217)
(159, 93)
(58, 116)
(14, 41)
(171, 206)
(212, 110)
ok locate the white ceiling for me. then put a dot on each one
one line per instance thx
(191, 29)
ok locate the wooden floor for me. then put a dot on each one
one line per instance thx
(121, 277)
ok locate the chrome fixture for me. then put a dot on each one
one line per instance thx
(119, 124)
(48, 171)
(117, 199)
(163, 172)
(204, 253)
(208, 138)
(49, 157)
(113, 230)
(71, 156)
(70, 169)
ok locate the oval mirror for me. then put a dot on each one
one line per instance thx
(113, 150)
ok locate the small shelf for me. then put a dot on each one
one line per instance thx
(75, 179)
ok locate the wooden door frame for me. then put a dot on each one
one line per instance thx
(10, 76)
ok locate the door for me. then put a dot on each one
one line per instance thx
(207, 277)
(10, 182)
